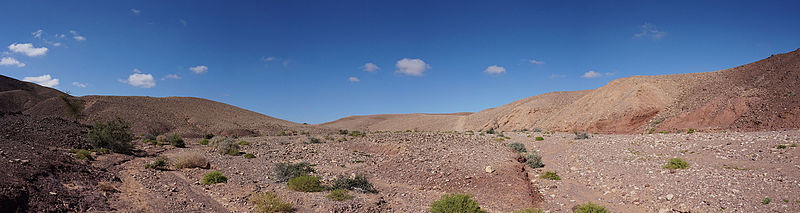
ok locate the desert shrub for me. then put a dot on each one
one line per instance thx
(539, 138)
(115, 135)
(676, 163)
(550, 175)
(343, 132)
(355, 133)
(794, 145)
(190, 160)
(339, 195)
(529, 210)
(176, 140)
(204, 142)
(285, 171)
(781, 146)
(73, 107)
(161, 163)
(518, 147)
(83, 155)
(357, 183)
(314, 140)
(462, 203)
(208, 136)
(591, 208)
(249, 156)
(305, 183)
(581, 135)
(244, 143)
(225, 146)
(534, 160)
(214, 178)
(766, 200)
(490, 131)
(162, 139)
(690, 131)
(148, 136)
(269, 202)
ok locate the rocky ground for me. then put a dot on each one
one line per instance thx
(728, 172)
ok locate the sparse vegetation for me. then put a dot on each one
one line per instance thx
(343, 132)
(204, 142)
(244, 143)
(314, 140)
(208, 136)
(581, 135)
(490, 131)
(285, 171)
(249, 156)
(794, 145)
(269, 202)
(591, 208)
(539, 138)
(115, 135)
(339, 195)
(358, 183)
(176, 140)
(529, 210)
(190, 160)
(518, 147)
(106, 187)
(73, 107)
(534, 160)
(305, 183)
(225, 146)
(690, 131)
(83, 155)
(676, 163)
(462, 203)
(161, 163)
(214, 178)
(355, 133)
(781, 146)
(550, 175)
(766, 201)
(161, 139)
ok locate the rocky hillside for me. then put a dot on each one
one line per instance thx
(759, 96)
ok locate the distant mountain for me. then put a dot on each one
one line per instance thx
(759, 96)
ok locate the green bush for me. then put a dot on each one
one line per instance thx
(115, 135)
(461, 203)
(794, 145)
(550, 175)
(534, 160)
(213, 178)
(176, 140)
(269, 202)
(285, 171)
(204, 142)
(305, 183)
(355, 133)
(781, 146)
(539, 138)
(357, 183)
(244, 143)
(83, 155)
(225, 146)
(766, 201)
(249, 156)
(148, 136)
(518, 147)
(676, 163)
(691, 130)
(591, 208)
(529, 210)
(313, 140)
(343, 132)
(208, 136)
(339, 195)
(161, 163)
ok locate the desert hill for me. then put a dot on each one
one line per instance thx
(757, 96)
(186, 115)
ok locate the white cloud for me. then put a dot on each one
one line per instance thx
(591, 74)
(495, 70)
(199, 69)
(650, 31)
(136, 70)
(171, 76)
(135, 11)
(61, 36)
(534, 61)
(270, 58)
(370, 67)
(9, 61)
(76, 36)
(79, 84)
(37, 34)
(27, 49)
(140, 80)
(412, 67)
(44, 80)
(353, 79)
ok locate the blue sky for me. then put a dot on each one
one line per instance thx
(304, 61)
